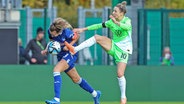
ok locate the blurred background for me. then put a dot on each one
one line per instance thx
(157, 34)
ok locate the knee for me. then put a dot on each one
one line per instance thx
(120, 74)
(97, 37)
(56, 70)
(77, 80)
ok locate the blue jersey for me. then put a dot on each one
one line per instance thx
(66, 35)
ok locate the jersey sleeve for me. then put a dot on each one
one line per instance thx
(69, 34)
(126, 25)
(108, 23)
(100, 25)
(95, 26)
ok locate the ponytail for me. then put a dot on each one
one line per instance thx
(122, 6)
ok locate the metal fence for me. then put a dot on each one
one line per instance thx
(158, 28)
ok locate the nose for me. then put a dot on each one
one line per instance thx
(113, 12)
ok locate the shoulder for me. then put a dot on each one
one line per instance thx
(67, 30)
(32, 41)
(126, 19)
(43, 40)
(109, 22)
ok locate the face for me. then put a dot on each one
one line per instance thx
(117, 13)
(166, 50)
(40, 35)
(54, 33)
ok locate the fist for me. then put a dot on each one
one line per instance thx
(44, 52)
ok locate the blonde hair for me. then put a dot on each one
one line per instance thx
(122, 6)
(59, 24)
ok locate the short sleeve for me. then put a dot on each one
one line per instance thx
(69, 34)
(108, 23)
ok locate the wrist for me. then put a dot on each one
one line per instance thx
(118, 23)
(84, 29)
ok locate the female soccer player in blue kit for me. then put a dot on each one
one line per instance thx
(60, 30)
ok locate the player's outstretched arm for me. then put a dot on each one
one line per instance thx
(79, 30)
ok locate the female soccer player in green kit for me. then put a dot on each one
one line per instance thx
(119, 47)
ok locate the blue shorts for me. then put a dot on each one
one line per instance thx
(69, 58)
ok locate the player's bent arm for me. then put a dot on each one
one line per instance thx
(75, 38)
(126, 26)
(44, 52)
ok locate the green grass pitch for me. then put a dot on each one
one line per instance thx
(92, 103)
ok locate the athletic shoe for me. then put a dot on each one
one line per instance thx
(123, 100)
(97, 98)
(70, 47)
(53, 101)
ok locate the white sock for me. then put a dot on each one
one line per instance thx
(94, 93)
(122, 85)
(57, 99)
(79, 82)
(87, 43)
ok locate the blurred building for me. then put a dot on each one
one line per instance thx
(9, 29)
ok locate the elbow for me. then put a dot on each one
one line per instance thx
(76, 36)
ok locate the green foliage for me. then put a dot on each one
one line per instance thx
(35, 3)
(167, 4)
(68, 12)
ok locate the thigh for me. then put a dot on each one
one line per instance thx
(104, 42)
(120, 56)
(61, 66)
(73, 74)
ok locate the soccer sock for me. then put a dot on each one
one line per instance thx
(122, 85)
(88, 43)
(84, 85)
(57, 85)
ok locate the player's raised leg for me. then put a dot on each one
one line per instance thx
(73, 74)
(87, 43)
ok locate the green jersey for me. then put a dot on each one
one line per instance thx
(121, 34)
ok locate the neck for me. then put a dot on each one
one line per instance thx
(120, 18)
(37, 38)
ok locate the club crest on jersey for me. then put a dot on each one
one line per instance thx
(63, 39)
(118, 33)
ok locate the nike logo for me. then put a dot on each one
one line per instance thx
(57, 82)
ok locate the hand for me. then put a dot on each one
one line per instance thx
(44, 52)
(45, 61)
(65, 48)
(33, 60)
(78, 30)
(113, 19)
